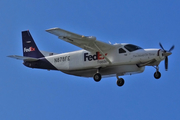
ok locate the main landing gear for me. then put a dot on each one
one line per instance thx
(97, 77)
(157, 74)
(120, 81)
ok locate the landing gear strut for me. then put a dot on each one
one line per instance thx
(97, 76)
(120, 81)
(157, 74)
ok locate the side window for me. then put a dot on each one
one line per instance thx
(122, 50)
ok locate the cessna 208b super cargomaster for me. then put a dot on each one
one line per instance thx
(97, 59)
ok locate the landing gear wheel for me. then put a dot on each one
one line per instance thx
(97, 77)
(157, 75)
(120, 82)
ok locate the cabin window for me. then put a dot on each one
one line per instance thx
(122, 50)
(131, 47)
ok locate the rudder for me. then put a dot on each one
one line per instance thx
(29, 46)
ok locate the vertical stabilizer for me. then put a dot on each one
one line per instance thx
(29, 46)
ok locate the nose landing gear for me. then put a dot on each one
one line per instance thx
(157, 74)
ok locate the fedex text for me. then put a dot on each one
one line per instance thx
(29, 49)
(97, 56)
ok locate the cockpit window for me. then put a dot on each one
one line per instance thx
(122, 50)
(131, 47)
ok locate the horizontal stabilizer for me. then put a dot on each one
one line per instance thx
(23, 58)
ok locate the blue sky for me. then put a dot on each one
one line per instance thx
(27, 94)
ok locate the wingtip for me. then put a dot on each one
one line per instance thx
(51, 29)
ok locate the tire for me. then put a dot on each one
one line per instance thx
(97, 77)
(157, 75)
(120, 82)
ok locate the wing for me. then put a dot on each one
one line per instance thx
(88, 43)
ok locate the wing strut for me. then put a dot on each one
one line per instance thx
(102, 53)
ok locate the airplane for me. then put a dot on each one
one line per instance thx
(96, 59)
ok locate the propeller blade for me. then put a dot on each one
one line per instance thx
(166, 54)
(171, 48)
(161, 46)
(166, 63)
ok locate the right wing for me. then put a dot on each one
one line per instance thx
(88, 43)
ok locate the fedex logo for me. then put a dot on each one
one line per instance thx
(29, 49)
(97, 56)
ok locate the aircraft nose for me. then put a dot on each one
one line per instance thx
(167, 53)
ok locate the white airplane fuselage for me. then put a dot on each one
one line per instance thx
(83, 61)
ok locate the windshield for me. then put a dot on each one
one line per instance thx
(131, 47)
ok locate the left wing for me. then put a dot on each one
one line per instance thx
(85, 42)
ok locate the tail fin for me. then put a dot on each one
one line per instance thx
(29, 46)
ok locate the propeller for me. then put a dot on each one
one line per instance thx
(166, 54)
